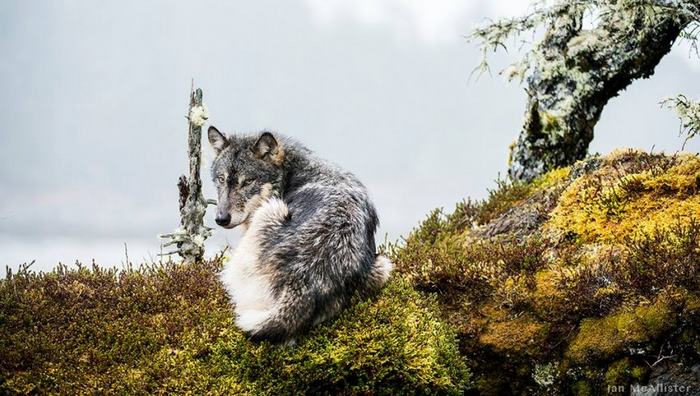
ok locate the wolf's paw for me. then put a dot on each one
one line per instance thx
(251, 320)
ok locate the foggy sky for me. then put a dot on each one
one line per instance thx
(94, 94)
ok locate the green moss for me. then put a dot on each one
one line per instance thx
(582, 388)
(392, 344)
(607, 337)
(169, 329)
(624, 372)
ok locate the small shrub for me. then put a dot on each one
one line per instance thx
(669, 256)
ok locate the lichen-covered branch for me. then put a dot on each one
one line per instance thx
(190, 236)
(572, 72)
(688, 112)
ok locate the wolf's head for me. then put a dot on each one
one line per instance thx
(246, 171)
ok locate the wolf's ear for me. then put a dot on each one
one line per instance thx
(268, 148)
(217, 140)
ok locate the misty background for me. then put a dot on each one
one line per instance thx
(94, 97)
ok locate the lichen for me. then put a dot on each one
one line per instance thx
(688, 112)
(545, 375)
(199, 115)
(574, 68)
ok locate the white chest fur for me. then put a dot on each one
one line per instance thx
(245, 277)
(247, 285)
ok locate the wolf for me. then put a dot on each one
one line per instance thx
(308, 234)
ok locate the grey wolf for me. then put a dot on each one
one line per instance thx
(308, 234)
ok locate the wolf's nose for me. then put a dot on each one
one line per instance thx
(223, 220)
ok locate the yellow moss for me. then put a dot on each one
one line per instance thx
(522, 334)
(620, 154)
(623, 372)
(513, 290)
(548, 299)
(692, 304)
(600, 338)
(551, 178)
(682, 179)
(638, 372)
(608, 336)
(511, 147)
(550, 122)
(614, 203)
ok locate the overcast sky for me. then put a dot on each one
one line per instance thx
(94, 94)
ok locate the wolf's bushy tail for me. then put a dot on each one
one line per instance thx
(381, 270)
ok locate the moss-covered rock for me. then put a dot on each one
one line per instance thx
(591, 269)
(630, 195)
(613, 334)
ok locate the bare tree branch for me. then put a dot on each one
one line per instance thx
(190, 236)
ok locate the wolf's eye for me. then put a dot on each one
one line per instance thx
(221, 179)
(246, 182)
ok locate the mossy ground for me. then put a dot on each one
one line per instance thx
(590, 272)
(169, 329)
(577, 281)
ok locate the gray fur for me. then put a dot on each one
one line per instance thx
(308, 242)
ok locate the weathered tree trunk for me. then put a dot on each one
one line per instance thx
(190, 237)
(573, 74)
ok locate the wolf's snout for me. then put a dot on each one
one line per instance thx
(223, 219)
